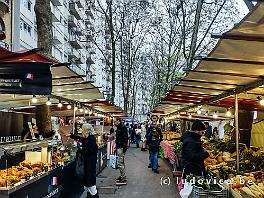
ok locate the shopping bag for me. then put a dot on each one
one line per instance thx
(113, 161)
(187, 190)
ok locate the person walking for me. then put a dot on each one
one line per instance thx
(133, 133)
(143, 136)
(153, 141)
(193, 155)
(138, 135)
(121, 147)
(86, 158)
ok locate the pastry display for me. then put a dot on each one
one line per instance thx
(16, 174)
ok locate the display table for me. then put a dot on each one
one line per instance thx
(170, 154)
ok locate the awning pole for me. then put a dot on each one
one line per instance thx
(74, 118)
(237, 131)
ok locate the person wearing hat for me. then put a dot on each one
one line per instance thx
(88, 148)
(193, 155)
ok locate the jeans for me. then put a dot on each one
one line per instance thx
(121, 162)
(154, 159)
(138, 139)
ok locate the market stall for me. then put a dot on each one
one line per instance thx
(42, 168)
(218, 88)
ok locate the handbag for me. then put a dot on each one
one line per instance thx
(114, 161)
(79, 169)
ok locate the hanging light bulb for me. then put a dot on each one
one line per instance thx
(34, 99)
(178, 115)
(215, 115)
(261, 102)
(90, 112)
(75, 108)
(199, 112)
(69, 106)
(190, 116)
(86, 111)
(95, 114)
(48, 103)
(228, 113)
(81, 110)
(59, 104)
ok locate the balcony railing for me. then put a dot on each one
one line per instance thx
(75, 42)
(55, 14)
(72, 21)
(72, 54)
(56, 2)
(79, 4)
(89, 12)
(74, 10)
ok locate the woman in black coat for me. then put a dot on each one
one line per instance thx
(193, 155)
(88, 149)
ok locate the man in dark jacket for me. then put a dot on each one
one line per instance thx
(208, 130)
(121, 147)
(88, 149)
(193, 155)
(153, 142)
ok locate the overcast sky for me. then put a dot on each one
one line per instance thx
(244, 9)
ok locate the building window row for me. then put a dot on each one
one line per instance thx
(25, 27)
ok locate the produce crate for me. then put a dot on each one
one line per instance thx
(199, 192)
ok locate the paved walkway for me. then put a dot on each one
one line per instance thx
(142, 182)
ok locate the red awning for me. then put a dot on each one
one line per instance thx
(30, 55)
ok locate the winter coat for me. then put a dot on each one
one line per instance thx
(89, 151)
(153, 139)
(193, 155)
(121, 137)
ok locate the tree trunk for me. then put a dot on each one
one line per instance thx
(195, 33)
(44, 25)
(44, 30)
(43, 118)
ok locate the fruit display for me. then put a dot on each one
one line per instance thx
(177, 147)
(22, 172)
(169, 135)
(247, 185)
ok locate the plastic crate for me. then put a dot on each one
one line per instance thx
(199, 192)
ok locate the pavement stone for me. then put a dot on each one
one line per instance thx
(141, 181)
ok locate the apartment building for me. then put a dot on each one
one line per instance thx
(72, 28)
(5, 23)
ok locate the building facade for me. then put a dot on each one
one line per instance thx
(72, 29)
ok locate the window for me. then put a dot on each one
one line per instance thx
(29, 5)
(29, 30)
(25, 26)
(21, 25)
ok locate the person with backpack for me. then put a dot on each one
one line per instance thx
(86, 159)
(121, 147)
(153, 142)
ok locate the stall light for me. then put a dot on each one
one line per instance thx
(69, 106)
(34, 99)
(59, 104)
(75, 108)
(90, 112)
(95, 114)
(215, 115)
(81, 110)
(190, 116)
(48, 103)
(178, 115)
(199, 112)
(86, 111)
(261, 102)
(228, 113)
